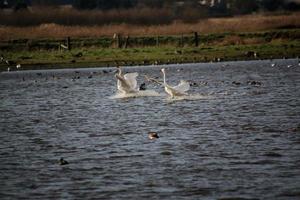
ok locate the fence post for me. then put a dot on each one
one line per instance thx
(181, 40)
(126, 42)
(157, 41)
(196, 39)
(69, 43)
(118, 40)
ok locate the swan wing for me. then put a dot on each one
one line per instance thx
(122, 83)
(182, 87)
(131, 79)
(173, 92)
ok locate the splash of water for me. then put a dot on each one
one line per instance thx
(142, 93)
(191, 97)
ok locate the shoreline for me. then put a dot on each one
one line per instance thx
(98, 66)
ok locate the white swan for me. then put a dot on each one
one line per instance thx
(178, 90)
(126, 83)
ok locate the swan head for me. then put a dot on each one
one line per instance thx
(119, 70)
(163, 70)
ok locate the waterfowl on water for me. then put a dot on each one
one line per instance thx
(126, 83)
(63, 162)
(178, 90)
(153, 135)
(143, 86)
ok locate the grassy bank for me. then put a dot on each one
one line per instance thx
(145, 50)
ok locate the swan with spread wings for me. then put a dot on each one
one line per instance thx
(126, 83)
(178, 90)
(174, 91)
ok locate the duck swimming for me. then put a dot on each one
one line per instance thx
(63, 162)
(153, 135)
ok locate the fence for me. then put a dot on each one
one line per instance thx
(117, 41)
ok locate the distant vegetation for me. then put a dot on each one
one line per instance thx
(71, 17)
(138, 12)
(249, 23)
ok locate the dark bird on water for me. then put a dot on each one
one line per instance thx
(153, 135)
(62, 161)
(143, 86)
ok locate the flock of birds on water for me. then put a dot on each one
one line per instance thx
(127, 84)
(12, 65)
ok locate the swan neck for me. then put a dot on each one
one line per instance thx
(164, 74)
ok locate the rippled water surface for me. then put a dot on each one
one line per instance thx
(240, 140)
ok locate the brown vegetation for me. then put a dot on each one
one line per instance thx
(213, 25)
(72, 17)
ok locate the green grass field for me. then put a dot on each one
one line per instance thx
(147, 50)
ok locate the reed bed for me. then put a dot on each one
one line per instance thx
(73, 17)
(205, 26)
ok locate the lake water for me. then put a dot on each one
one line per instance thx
(239, 138)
